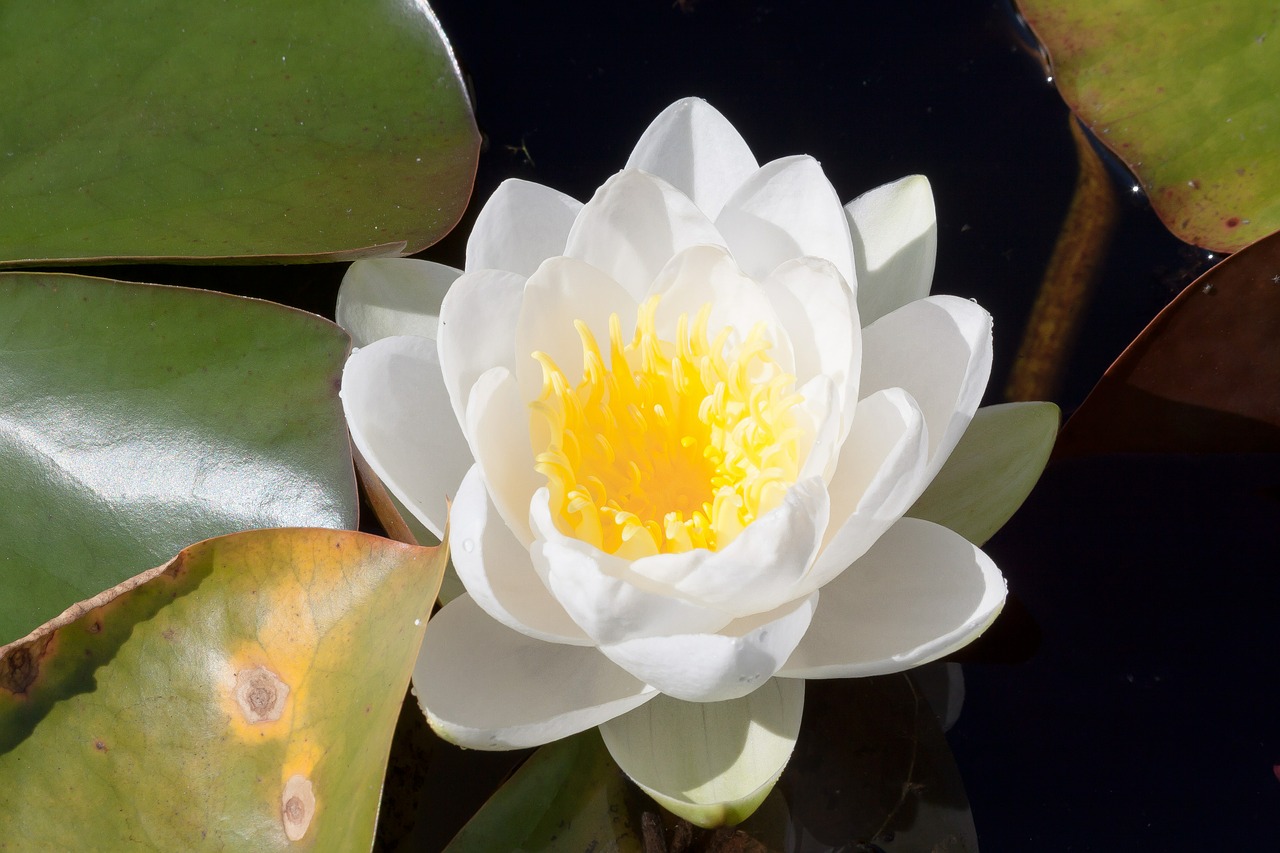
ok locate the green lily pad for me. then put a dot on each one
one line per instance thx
(167, 129)
(136, 419)
(569, 795)
(240, 697)
(1185, 94)
(1203, 377)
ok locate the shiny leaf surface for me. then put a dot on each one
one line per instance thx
(137, 419)
(165, 129)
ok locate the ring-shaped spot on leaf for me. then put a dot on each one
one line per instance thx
(136, 419)
(241, 696)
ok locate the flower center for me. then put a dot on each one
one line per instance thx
(671, 445)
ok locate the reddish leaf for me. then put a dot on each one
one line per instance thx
(1203, 377)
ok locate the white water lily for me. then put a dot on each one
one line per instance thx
(680, 426)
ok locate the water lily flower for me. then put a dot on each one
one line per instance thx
(681, 426)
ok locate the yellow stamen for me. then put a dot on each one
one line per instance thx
(671, 445)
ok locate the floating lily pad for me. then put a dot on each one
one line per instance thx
(169, 129)
(1203, 377)
(568, 796)
(240, 697)
(1185, 94)
(136, 419)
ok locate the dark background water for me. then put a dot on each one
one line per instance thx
(1128, 699)
(1147, 714)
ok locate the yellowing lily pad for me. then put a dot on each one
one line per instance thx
(137, 419)
(1185, 93)
(169, 129)
(240, 697)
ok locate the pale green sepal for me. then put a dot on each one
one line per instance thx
(382, 297)
(711, 763)
(992, 469)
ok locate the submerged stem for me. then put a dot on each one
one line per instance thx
(1068, 280)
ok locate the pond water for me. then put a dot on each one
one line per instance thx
(1128, 697)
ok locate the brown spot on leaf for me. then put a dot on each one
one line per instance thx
(168, 633)
(1232, 222)
(94, 627)
(20, 664)
(100, 746)
(260, 694)
(297, 806)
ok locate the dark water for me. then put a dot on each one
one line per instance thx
(1147, 714)
(1128, 699)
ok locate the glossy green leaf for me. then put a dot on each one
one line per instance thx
(992, 469)
(1203, 377)
(169, 129)
(568, 796)
(136, 419)
(241, 697)
(1185, 93)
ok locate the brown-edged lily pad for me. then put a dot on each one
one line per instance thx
(1203, 377)
(240, 697)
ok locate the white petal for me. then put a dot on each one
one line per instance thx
(920, 593)
(758, 569)
(895, 242)
(398, 412)
(695, 149)
(498, 571)
(708, 275)
(714, 763)
(477, 328)
(484, 686)
(787, 210)
(715, 667)
(561, 291)
(939, 350)
(816, 306)
(992, 469)
(633, 225)
(498, 430)
(610, 602)
(382, 297)
(521, 225)
(880, 472)
(825, 414)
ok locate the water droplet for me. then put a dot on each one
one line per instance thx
(417, 622)
(468, 545)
